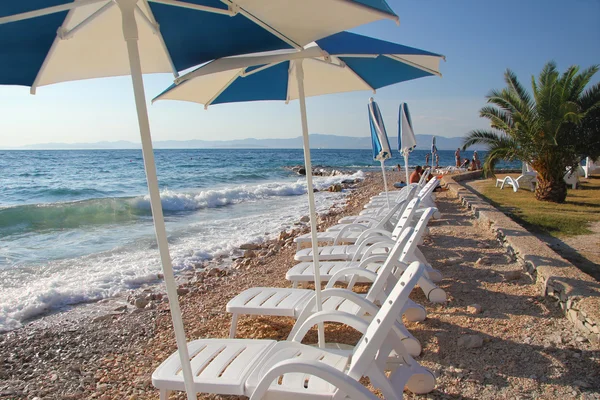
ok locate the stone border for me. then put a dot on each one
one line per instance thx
(577, 293)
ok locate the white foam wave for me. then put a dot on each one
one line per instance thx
(177, 201)
(31, 291)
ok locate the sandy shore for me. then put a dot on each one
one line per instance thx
(528, 349)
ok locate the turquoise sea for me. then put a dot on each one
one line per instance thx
(75, 225)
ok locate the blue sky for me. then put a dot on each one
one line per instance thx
(480, 40)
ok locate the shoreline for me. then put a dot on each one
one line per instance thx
(59, 353)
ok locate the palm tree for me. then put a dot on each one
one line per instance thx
(539, 128)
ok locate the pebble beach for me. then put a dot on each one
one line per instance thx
(495, 338)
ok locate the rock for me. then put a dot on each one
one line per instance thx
(301, 171)
(470, 341)
(121, 309)
(249, 254)
(580, 339)
(335, 188)
(451, 261)
(103, 317)
(182, 291)
(582, 384)
(512, 276)
(305, 218)
(250, 246)
(482, 261)
(474, 309)
(141, 302)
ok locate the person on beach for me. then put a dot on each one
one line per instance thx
(427, 160)
(476, 161)
(465, 164)
(457, 156)
(416, 175)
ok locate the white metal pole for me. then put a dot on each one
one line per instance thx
(387, 196)
(406, 167)
(311, 195)
(130, 34)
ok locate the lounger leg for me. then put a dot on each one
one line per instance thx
(295, 284)
(233, 329)
(164, 394)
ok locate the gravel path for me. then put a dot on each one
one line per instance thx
(523, 347)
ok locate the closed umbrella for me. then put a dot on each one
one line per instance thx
(406, 136)
(433, 150)
(342, 62)
(379, 141)
(49, 41)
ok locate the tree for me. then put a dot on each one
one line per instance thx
(547, 128)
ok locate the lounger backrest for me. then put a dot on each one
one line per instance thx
(383, 322)
(418, 232)
(428, 188)
(385, 272)
(403, 200)
(424, 176)
(405, 218)
(390, 214)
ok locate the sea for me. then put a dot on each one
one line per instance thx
(76, 226)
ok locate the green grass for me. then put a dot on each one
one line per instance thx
(560, 220)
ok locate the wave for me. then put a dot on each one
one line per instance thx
(120, 210)
(72, 215)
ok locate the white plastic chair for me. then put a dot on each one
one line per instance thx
(527, 180)
(266, 369)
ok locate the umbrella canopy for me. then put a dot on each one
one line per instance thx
(406, 136)
(379, 140)
(49, 41)
(342, 62)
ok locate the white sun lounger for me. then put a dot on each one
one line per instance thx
(348, 252)
(348, 233)
(266, 369)
(295, 302)
(425, 194)
(354, 253)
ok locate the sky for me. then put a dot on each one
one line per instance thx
(480, 40)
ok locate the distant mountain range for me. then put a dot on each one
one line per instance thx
(317, 141)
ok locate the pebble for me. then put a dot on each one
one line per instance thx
(474, 309)
(141, 302)
(470, 341)
(512, 276)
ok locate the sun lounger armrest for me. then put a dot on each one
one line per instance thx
(365, 273)
(352, 388)
(377, 245)
(373, 232)
(303, 325)
(346, 228)
(366, 244)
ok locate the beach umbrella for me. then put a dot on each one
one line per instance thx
(49, 41)
(433, 151)
(342, 62)
(379, 141)
(406, 136)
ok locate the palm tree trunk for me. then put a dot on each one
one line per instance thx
(553, 189)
